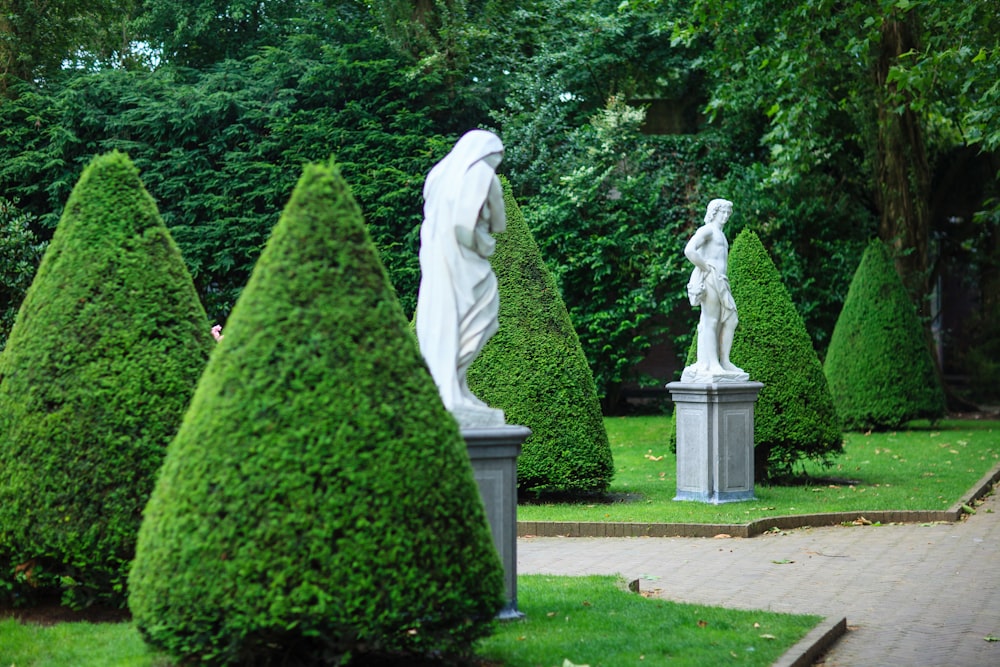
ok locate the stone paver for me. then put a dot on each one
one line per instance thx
(913, 595)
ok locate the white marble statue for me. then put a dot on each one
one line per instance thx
(708, 250)
(458, 302)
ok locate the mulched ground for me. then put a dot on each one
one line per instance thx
(50, 612)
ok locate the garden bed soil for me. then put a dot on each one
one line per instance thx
(50, 612)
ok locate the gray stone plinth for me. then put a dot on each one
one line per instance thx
(714, 440)
(494, 453)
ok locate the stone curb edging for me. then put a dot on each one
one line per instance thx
(805, 652)
(758, 526)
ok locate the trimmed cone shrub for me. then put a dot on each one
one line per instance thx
(100, 365)
(318, 501)
(878, 364)
(794, 417)
(535, 370)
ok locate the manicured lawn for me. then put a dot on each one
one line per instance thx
(76, 644)
(922, 468)
(586, 620)
(595, 621)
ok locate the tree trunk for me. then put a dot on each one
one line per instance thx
(903, 180)
(903, 184)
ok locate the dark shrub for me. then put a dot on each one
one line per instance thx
(879, 366)
(318, 500)
(20, 252)
(100, 365)
(535, 370)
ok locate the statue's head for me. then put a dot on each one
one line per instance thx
(718, 210)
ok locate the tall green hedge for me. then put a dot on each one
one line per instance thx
(879, 366)
(100, 365)
(794, 418)
(535, 370)
(318, 500)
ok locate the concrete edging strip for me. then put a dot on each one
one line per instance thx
(805, 652)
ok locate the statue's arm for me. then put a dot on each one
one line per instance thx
(465, 236)
(493, 208)
(692, 249)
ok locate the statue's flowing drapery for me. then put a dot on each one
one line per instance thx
(458, 301)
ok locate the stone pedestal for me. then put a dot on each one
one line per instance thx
(714, 440)
(494, 453)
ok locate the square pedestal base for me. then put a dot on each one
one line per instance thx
(493, 452)
(714, 440)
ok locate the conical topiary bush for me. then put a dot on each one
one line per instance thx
(878, 364)
(100, 365)
(794, 418)
(318, 500)
(535, 370)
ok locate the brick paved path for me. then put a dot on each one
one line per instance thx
(913, 596)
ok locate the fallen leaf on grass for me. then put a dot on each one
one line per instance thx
(702, 624)
(766, 636)
(567, 663)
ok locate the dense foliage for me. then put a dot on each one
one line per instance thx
(825, 122)
(20, 253)
(97, 372)
(613, 229)
(880, 372)
(317, 501)
(794, 418)
(535, 370)
(220, 147)
(874, 91)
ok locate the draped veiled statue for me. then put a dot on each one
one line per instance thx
(458, 301)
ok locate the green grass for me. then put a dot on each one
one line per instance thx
(595, 621)
(922, 468)
(587, 620)
(592, 620)
(76, 644)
